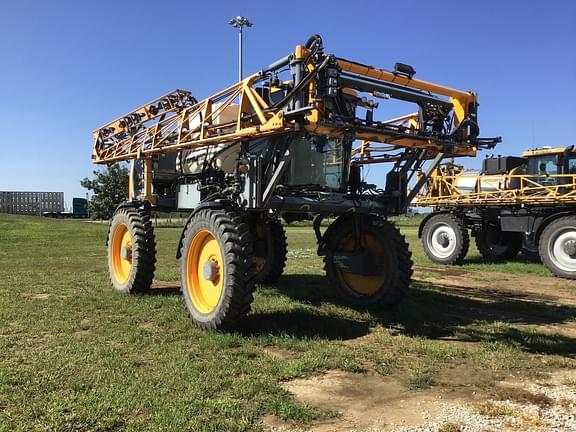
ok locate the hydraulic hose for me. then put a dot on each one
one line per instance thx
(304, 82)
(315, 38)
(474, 128)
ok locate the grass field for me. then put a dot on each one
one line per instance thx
(76, 356)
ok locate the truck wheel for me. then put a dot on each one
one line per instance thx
(217, 268)
(270, 249)
(445, 239)
(131, 250)
(496, 245)
(384, 255)
(557, 247)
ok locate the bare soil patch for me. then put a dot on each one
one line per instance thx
(364, 401)
(167, 285)
(36, 296)
(372, 403)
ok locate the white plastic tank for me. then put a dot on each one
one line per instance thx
(220, 156)
(492, 183)
(466, 184)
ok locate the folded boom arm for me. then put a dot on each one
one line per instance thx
(322, 97)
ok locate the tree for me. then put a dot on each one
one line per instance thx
(109, 187)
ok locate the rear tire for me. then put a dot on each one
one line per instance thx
(131, 250)
(382, 239)
(217, 268)
(270, 250)
(445, 239)
(557, 247)
(496, 245)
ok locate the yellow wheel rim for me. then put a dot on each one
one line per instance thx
(121, 253)
(204, 271)
(362, 284)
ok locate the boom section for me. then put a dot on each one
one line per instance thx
(450, 186)
(305, 91)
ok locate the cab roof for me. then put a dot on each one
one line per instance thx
(542, 151)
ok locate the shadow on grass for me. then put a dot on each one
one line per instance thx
(302, 324)
(445, 312)
(311, 289)
(476, 315)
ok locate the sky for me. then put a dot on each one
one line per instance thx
(68, 67)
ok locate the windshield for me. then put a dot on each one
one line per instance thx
(546, 165)
(543, 165)
(320, 163)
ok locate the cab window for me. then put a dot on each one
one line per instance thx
(543, 165)
(572, 165)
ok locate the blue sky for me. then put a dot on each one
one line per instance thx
(67, 67)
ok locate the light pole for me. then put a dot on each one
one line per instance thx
(239, 22)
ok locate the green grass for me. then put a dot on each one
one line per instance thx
(76, 356)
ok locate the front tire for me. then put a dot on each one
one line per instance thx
(131, 250)
(445, 239)
(497, 245)
(384, 242)
(217, 268)
(557, 247)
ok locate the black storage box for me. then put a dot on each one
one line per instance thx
(501, 164)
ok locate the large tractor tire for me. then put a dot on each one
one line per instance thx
(557, 247)
(217, 268)
(270, 249)
(131, 250)
(496, 245)
(445, 239)
(373, 274)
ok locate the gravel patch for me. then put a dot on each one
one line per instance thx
(508, 415)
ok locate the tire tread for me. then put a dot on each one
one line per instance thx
(236, 242)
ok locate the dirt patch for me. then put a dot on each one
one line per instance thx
(370, 403)
(82, 333)
(365, 402)
(167, 285)
(36, 296)
(521, 395)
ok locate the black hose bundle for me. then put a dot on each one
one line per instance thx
(315, 38)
